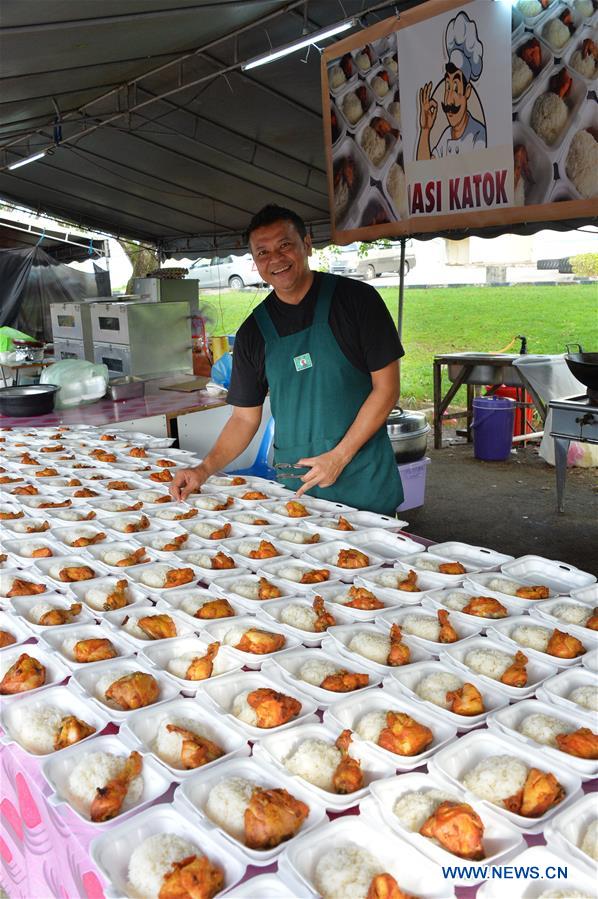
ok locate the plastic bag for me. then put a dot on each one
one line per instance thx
(79, 381)
(222, 370)
(7, 335)
(582, 455)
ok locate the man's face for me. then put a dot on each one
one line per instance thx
(455, 98)
(281, 256)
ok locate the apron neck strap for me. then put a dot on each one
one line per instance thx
(327, 287)
(264, 323)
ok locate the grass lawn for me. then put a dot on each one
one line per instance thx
(455, 319)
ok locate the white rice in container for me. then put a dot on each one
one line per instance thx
(191, 604)
(314, 671)
(248, 589)
(169, 745)
(586, 697)
(346, 873)
(414, 809)
(234, 635)
(201, 559)
(572, 614)
(315, 761)
(179, 666)
(96, 597)
(291, 572)
(28, 547)
(521, 75)
(104, 682)
(372, 646)
(426, 563)
(549, 116)
(490, 662)
(585, 65)
(582, 164)
(425, 626)
(584, 8)
(94, 770)
(371, 724)
(389, 578)
(457, 600)
(132, 628)
(149, 496)
(529, 8)
(589, 844)
(336, 76)
(434, 687)
(246, 517)
(36, 612)
(294, 535)
(154, 576)
(504, 585)
(531, 635)
(208, 502)
(300, 616)
(227, 803)
(363, 61)
(114, 556)
(37, 727)
(68, 646)
(380, 86)
(395, 181)
(153, 859)
(543, 728)
(496, 778)
(204, 529)
(242, 710)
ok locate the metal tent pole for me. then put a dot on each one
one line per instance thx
(401, 289)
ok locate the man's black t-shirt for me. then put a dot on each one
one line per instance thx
(359, 320)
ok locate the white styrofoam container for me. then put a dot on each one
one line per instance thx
(141, 729)
(384, 542)
(426, 581)
(214, 503)
(67, 534)
(108, 506)
(502, 631)
(234, 531)
(175, 598)
(82, 589)
(54, 637)
(13, 624)
(85, 681)
(56, 670)
(241, 547)
(63, 698)
(118, 524)
(19, 550)
(576, 882)
(271, 752)
(191, 798)
(478, 583)
(217, 630)
(426, 555)
(500, 840)
(39, 527)
(276, 510)
(574, 102)
(465, 628)
(161, 652)
(116, 620)
(246, 518)
(349, 712)
(23, 605)
(556, 10)
(275, 530)
(363, 521)
(543, 611)
(546, 63)
(72, 493)
(8, 575)
(396, 856)
(558, 689)
(270, 611)
(454, 761)
(127, 546)
(266, 886)
(219, 696)
(330, 594)
(44, 566)
(586, 594)
(138, 574)
(111, 851)
(559, 576)
(327, 556)
(566, 831)
(81, 512)
(339, 637)
(57, 768)
(405, 681)
(157, 541)
(196, 556)
(291, 662)
(226, 583)
(274, 569)
(590, 660)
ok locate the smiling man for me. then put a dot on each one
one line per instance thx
(327, 350)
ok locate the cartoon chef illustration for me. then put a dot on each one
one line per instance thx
(464, 133)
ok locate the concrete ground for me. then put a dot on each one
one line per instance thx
(509, 506)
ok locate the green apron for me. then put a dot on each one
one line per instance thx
(315, 395)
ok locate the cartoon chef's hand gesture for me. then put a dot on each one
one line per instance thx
(428, 108)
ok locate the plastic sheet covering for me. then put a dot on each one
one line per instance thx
(30, 280)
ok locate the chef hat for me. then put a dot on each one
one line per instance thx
(463, 47)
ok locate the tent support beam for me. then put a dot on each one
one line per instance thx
(401, 289)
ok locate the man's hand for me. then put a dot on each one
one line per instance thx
(325, 470)
(428, 108)
(186, 481)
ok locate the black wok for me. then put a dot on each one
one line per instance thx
(583, 366)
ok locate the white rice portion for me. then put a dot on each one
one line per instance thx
(37, 727)
(337, 77)
(201, 559)
(291, 572)
(370, 726)
(205, 528)
(36, 612)
(425, 626)
(504, 585)
(155, 576)
(414, 809)
(153, 859)
(543, 728)
(179, 666)
(589, 844)
(94, 770)
(96, 597)
(434, 687)
(586, 697)
(556, 33)
(28, 547)
(314, 671)
(191, 604)
(248, 589)
(149, 496)
(394, 109)
(104, 682)
(169, 745)
(572, 614)
(529, 8)
(521, 75)
(114, 556)
(294, 535)
(380, 86)
(372, 646)
(490, 662)
(496, 778)
(242, 710)
(315, 761)
(233, 635)
(585, 8)
(363, 61)
(395, 181)
(531, 635)
(457, 600)
(300, 616)
(586, 66)
(346, 873)
(549, 116)
(227, 803)
(132, 628)
(582, 164)
(389, 578)
(353, 111)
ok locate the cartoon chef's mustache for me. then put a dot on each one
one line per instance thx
(450, 108)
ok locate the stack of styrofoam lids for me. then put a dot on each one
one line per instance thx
(219, 697)
(26, 608)
(292, 571)
(11, 624)
(90, 682)
(290, 664)
(384, 583)
(566, 831)
(55, 669)
(219, 628)
(161, 653)
(558, 877)
(14, 715)
(270, 611)
(195, 597)
(558, 690)
(242, 587)
(503, 631)
(91, 593)
(328, 555)
(59, 640)
(338, 640)
(464, 628)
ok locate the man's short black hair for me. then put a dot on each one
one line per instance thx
(450, 69)
(272, 213)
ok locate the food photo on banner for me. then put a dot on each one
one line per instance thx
(428, 126)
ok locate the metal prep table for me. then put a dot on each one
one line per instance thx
(573, 418)
(476, 370)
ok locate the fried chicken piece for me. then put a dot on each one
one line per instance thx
(46, 473)
(6, 479)
(195, 877)
(457, 828)
(52, 449)
(345, 681)
(38, 528)
(348, 776)
(96, 649)
(467, 700)
(403, 735)
(137, 557)
(162, 499)
(157, 627)
(564, 646)
(324, 619)
(592, 622)
(343, 525)
(76, 573)
(220, 533)
(537, 592)
(85, 492)
(73, 482)
(315, 576)
(72, 730)
(352, 558)
(195, 751)
(238, 481)
(103, 455)
(215, 608)
(516, 674)
(108, 437)
(399, 653)
(485, 607)
(60, 616)
(108, 800)
(133, 691)
(183, 516)
(117, 599)
(11, 516)
(89, 541)
(25, 674)
(266, 590)
(118, 485)
(296, 509)
(264, 551)
(272, 817)
(49, 504)
(409, 584)
(165, 463)
(27, 459)
(21, 587)
(260, 642)
(384, 886)
(582, 743)
(134, 507)
(262, 521)
(27, 490)
(221, 561)
(3, 558)
(134, 526)
(176, 543)
(272, 708)
(363, 599)
(447, 634)
(254, 494)
(531, 54)
(43, 552)
(176, 577)
(540, 792)
(162, 477)
(138, 452)
(451, 568)
(225, 505)
(560, 83)
(202, 666)
(6, 639)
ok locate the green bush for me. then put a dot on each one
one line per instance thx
(586, 264)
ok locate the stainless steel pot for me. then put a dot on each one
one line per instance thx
(408, 432)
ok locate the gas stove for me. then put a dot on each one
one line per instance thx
(573, 418)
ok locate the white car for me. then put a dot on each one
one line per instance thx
(234, 272)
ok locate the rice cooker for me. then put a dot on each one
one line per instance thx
(408, 432)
